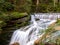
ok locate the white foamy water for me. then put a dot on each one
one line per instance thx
(27, 35)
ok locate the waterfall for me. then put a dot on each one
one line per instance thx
(33, 31)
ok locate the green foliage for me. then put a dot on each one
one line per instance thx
(4, 17)
(49, 29)
(1, 1)
(47, 7)
(58, 41)
(58, 22)
(2, 23)
(8, 7)
(46, 1)
(43, 8)
(1, 4)
(27, 6)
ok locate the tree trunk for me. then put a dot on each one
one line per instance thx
(55, 1)
(37, 5)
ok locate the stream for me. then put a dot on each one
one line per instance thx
(28, 34)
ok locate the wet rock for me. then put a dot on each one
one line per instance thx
(57, 27)
(15, 43)
(52, 24)
(36, 42)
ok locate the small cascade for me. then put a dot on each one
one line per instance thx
(27, 35)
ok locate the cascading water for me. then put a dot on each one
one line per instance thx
(27, 35)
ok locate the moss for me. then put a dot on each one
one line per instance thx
(9, 16)
(13, 19)
(18, 14)
(58, 22)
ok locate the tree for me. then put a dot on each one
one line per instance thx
(37, 5)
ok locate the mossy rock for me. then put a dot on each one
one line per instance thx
(18, 14)
(9, 16)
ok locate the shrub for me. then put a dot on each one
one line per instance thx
(2, 24)
(8, 6)
(4, 17)
(43, 8)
